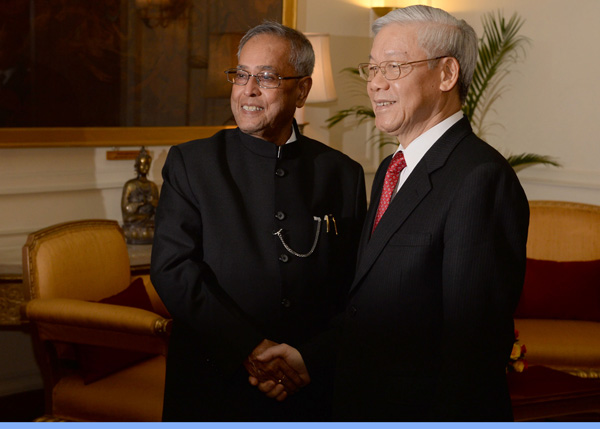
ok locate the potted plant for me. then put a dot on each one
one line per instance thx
(499, 48)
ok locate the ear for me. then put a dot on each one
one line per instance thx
(449, 74)
(304, 86)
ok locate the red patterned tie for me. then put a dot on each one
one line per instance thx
(389, 185)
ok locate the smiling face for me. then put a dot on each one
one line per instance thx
(268, 113)
(421, 98)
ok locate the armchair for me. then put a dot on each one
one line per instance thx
(558, 317)
(99, 338)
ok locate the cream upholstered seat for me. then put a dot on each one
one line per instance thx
(561, 328)
(100, 336)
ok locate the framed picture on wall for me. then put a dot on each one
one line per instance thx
(121, 72)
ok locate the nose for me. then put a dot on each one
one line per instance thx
(252, 89)
(378, 82)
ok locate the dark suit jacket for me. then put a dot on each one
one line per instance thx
(428, 328)
(229, 282)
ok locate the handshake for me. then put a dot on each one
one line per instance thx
(277, 370)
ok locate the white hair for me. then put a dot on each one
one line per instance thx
(441, 35)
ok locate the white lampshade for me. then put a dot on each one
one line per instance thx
(323, 88)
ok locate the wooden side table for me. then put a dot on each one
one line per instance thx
(11, 296)
(541, 393)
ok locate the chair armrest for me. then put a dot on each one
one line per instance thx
(83, 322)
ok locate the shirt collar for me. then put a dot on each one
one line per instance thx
(417, 149)
(293, 137)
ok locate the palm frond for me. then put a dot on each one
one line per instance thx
(351, 70)
(493, 93)
(521, 161)
(362, 113)
(499, 47)
(354, 83)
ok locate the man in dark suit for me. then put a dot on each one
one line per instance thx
(428, 328)
(256, 236)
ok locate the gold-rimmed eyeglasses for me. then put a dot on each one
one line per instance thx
(391, 70)
(264, 79)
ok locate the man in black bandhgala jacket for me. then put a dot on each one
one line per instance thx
(256, 236)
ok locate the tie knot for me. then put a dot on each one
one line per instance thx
(390, 181)
(398, 160)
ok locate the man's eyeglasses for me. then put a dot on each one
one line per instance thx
(391, 70)
(264, 79)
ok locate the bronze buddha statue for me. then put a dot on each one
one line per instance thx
(138, 203)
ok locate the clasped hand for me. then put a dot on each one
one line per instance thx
(276, 369)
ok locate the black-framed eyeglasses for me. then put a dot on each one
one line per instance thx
(391, 70)
(264, 79)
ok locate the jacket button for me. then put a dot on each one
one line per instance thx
(286, 303)
(283, 257)
(280, 172)
(352, 311)
(280, 215)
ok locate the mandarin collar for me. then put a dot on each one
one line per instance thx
(271, 150)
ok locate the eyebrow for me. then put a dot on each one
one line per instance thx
(269, 68)
(397, 54)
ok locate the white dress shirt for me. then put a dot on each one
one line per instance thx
(417, 149)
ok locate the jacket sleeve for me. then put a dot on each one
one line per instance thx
(185, 283)
(483, 271)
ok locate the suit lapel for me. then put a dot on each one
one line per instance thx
(370, 216)
(412, 192)
(408, 197)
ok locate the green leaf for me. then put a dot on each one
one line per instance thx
(499, 48)
(523, 160)
(361, 113)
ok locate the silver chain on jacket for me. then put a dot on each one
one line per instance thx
(314, 246)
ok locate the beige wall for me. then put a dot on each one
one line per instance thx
(551, 107)
(553, 101)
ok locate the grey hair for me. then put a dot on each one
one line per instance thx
(302, 55)
(444, 35)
